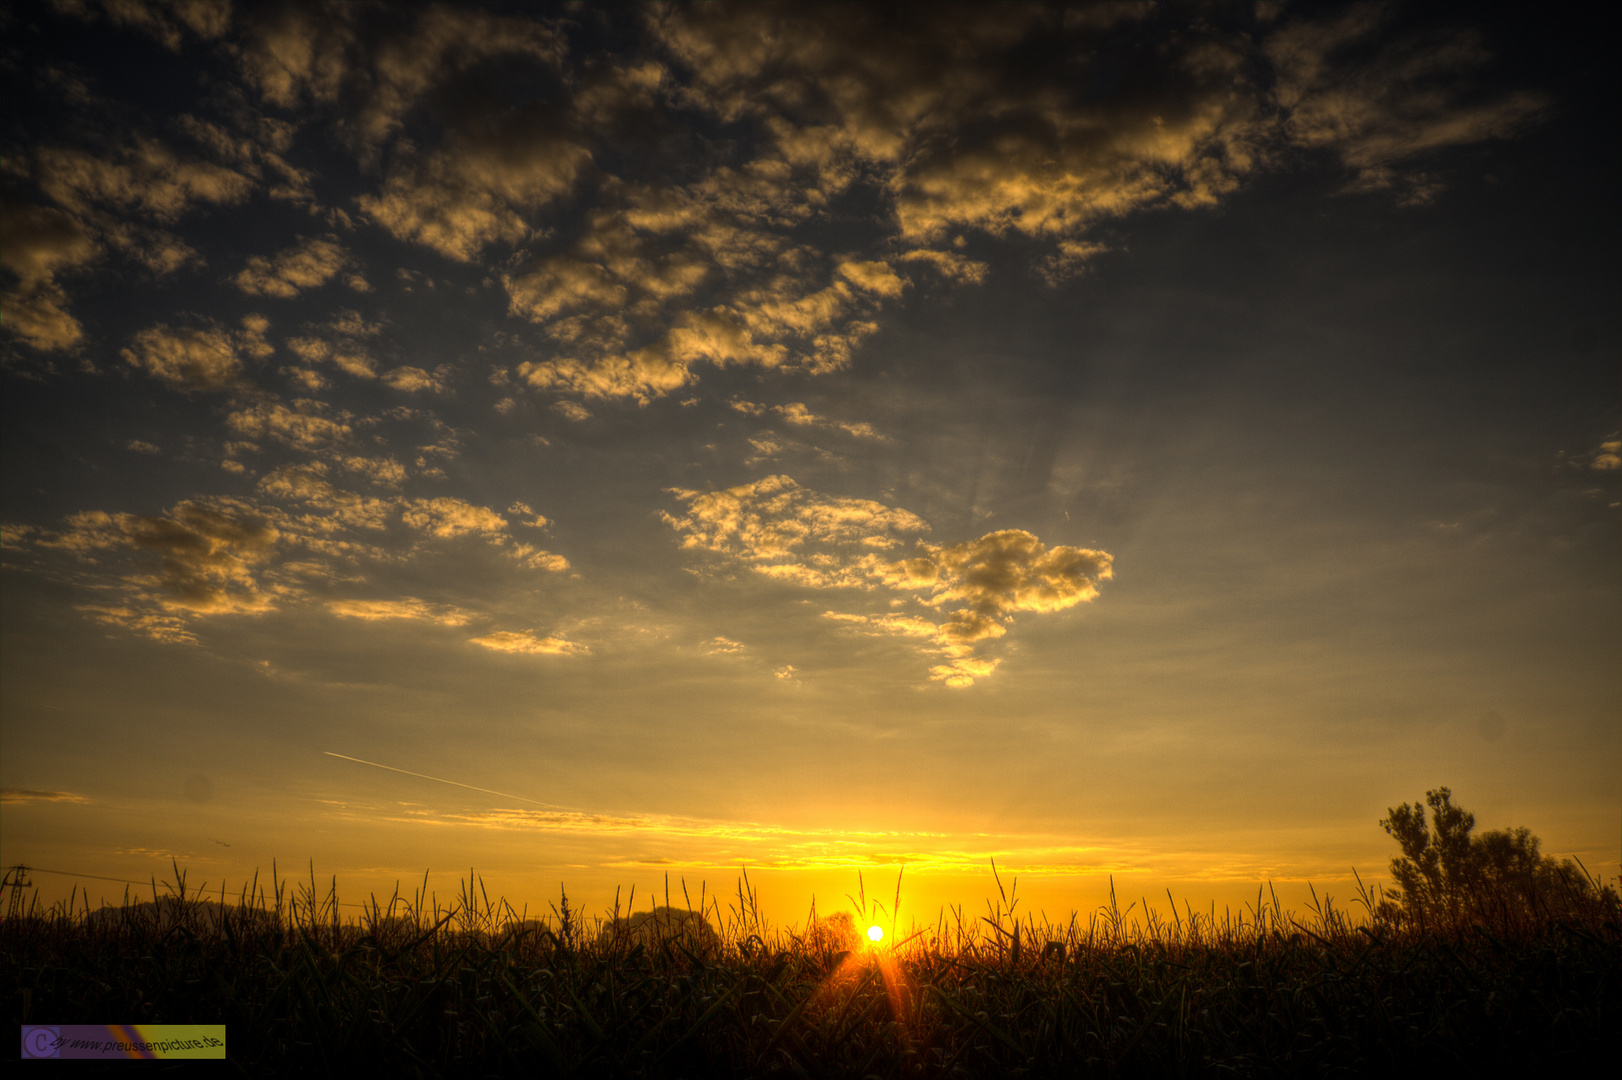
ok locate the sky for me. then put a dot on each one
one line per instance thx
(597, 446)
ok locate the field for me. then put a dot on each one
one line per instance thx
(469, 989)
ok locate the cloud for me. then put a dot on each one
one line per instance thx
(904, 625)
(447, 517)
(487, 173)
(303, 426)
(210, 556)
(384, 472)
(291, 52)
(874, 277)
(949, 265)
(946, 116)
(1001, 573)
(479, 189)
(205, 356)
(525, 641)
(414, 380)
(1609, 456)
(962, 671)
(407, 608)
(1068, 260)
(942, 124)
(385, 61)
(941, 121)
(798, 414)
(786, 531)
(202, 558)
(308, 483)
(1411, 97)
(571, 410)
(523, 510)
(37, 244)
(18, 796)
(342, 342)
(167, 23)
(143, 176)
(306, 265)
(971, 589)
(534, 558)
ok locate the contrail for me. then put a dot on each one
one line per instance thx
(453, 783)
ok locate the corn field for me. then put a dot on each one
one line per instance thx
(472, 988)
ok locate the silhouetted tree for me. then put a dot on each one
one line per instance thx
(1444, 874)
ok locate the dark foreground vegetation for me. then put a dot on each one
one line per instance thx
(473, 991)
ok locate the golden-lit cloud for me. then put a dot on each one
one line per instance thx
(414, 380)
(203, 557)
(949, 265)
(946, 115)
(305, 425)
(889, 623)
(485, 177)
(306, 265)
(668, 839)
(144, 176)
(384, 472)
(782, 321)
(526, 642)
(791, 534)
(523, 510)
(1609, 456)
(873, 277)
(37, 244)
(205, 356)
(302, 537)
(478, 190)
(308, 483)
(799, 415)
(407, 608)
(1001, 573)
(342, 342)
(571, 410)
(385, 63)
(534, 558)
(19, 796)
(447, 517)
(290, 53)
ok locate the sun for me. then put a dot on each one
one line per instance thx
(875, 934)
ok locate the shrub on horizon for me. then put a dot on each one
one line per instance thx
(1445, 875)
(654, 929)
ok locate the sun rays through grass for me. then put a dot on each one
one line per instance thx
(698, 986)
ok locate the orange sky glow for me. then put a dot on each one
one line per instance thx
(631, 447)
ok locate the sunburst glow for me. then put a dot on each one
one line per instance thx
(726, 439)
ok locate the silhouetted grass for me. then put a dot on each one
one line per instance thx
(473, 989)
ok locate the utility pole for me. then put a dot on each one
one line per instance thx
(16, 880)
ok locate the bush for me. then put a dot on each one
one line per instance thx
(1445, 875)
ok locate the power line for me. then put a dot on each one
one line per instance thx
(98, 877)
(127, 881)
